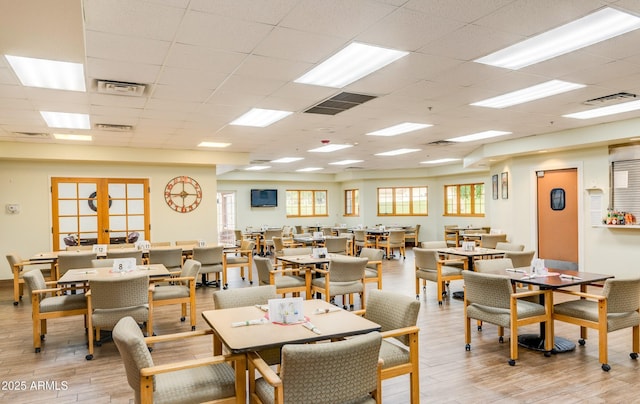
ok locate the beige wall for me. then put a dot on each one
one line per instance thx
(28, 183)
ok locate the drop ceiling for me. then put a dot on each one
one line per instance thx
(204, 63)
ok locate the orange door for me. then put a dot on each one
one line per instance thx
(558, 215)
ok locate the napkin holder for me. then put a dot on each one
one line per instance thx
(468, 245)
(320, 252)
(288, 310)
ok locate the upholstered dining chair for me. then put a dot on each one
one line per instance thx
(111, 299)
(394, 240)
(181, 290)
(344, 276)
(74, 259)
(46, 303)
(210, 379)
(18, 282)
(336, 245)
(451, 235)
(346, 371)
(397, 315)
(413, 235)
(616, 308)
(362, 240)
(520, 259)
(431, 267)
(278, 246)
(171, 258)
(490, 298)
(238, 258)
(268, 239)
(491, 240)
(505, 246)
(283, 279)
(210, 259)
(119, 253)
(373, 270)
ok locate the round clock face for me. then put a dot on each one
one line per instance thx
(183, 194)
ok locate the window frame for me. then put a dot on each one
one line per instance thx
(396, 204)
(314, 198)
(459, 203)
(351, 202)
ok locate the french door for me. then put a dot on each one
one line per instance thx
(99, 210)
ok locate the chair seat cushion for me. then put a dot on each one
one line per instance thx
(205, 383)
(501, 317)
(266, 394)
(107, 318)
(210, 268)
(236, 260)
(393, 354)
(339, 288)
(166, 292)
(64, 302)
(370, 273)
(588, 310)
(432, 274)
(287, 281)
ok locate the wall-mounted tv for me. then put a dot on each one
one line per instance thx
(261, 198)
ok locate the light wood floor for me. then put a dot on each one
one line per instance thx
(448, 373)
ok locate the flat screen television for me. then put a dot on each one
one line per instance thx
(261, 198)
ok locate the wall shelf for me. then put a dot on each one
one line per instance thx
(618, 226)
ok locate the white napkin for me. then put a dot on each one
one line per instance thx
(521, 271)
(571, 277)
(326, 311)
(311, 327)
(250, 322)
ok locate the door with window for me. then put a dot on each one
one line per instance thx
(89, 211)
(226, 217)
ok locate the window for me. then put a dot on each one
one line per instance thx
(402, 201)
(464, 200)
(351, 202)
(303, 203)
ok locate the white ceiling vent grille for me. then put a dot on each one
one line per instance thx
(32, 134)
(121, 88)
(114, 128)
(610, 99)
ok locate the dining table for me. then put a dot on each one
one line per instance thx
(84, 275)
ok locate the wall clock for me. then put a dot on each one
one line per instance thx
(183, 194)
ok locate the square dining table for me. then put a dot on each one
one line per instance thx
(84, 275)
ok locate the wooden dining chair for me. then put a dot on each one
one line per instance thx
(242, 258)
(373, 270)
(430, 266)
(344, 276)
(180, 290)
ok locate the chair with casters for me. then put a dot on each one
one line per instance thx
(489, 298)
(344, 276)
(118, 253)
(238, 237)
(181, 290)
(171, 258)
(431, 267)
(211, 260)
(616, 308)
(19, 270)
(397, 315)
(491, 240)
(111, 299)
(283, 279)
(474, 235)
(47, 303)
(278, 246)
(268, 239)
(413, 235)
(362, 240)
(208, 379)
(246, 297)
(73, 260)
(451, 235)
(503, 245)
(238, 258)
(336, 245)
(520, 259)
(373, 270)
(349, 372)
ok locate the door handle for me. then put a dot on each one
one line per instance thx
(106, 230)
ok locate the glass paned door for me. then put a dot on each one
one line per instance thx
(226, 217)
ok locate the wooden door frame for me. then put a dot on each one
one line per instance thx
(533, 214)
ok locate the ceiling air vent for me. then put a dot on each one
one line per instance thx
(441, 143)
(32, 134)
(339, 103)
(610, 99)
(114, 128)
(121, 88)
(259, 162)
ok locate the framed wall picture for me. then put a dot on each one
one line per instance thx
(504, 180)
(494, 186)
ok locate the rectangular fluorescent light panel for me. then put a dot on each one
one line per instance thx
(308, 169)
(330, 148)
(536, 92)
(479, 136)
(257, 168)
(397, 152)
(439, 161)
(214, 144)
(65, 136)
(260, 117)
(287, 159)
(593, 28)
(345, 162)
(399, 129)
(66, 120)
(350, 64)
(45, 73)
(604, 111)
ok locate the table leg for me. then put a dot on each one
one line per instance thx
(536, 342)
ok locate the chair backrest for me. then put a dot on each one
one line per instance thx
(396, 237)
(271, 233)
(191, 268)
(237, 233)
(622, 295)
(501, 245)
(520, 258)
(487, 289)
(133, 350)
(392, 311)
(208, 255)
(187, 242)
(247, 245)
(116, 254)
(490, 240)
(264, 266)
(13, 259)
(360, 235)
(226, 299)
(297, 251)
(35, 280)
(71, 260)
(327, 231)
(278, 245)
(348, 370)
(299, 229)
(347, 269)
(493, 265)
(171, 258)
(371, 254)
(425, 258)
(79, 247)
(130, 290)
(432, 245)
(336, 245)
